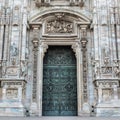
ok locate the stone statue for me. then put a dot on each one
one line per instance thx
(13, 50)
(117, 72)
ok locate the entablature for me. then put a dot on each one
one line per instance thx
(59, 22)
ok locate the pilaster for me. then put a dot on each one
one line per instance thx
(85, 102)
(35, 41)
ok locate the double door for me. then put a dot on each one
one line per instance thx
(59, 82)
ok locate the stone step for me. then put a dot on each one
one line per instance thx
(59, 118)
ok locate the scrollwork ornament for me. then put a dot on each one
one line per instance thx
(44, 48)
(76, 48)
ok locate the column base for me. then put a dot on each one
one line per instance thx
(11, 108)
(33, 109)
(85, 110)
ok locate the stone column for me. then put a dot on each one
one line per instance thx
(42, 49)
(35, 41)
(76, 48)
(85, 102)
(84, 60)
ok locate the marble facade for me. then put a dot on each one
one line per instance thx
(90, 27)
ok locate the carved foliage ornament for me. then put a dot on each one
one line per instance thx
(59, 26)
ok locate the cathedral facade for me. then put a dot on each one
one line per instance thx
(59, 57)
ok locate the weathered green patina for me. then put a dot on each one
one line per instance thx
(59, 82)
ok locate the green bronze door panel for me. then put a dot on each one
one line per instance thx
(59, 82)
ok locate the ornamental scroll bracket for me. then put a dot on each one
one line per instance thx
(43, 48)
(76, 48)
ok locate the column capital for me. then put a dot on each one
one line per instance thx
(83, 35)
(35, 42)
(84, 42)
(83, 27)
(35, 39)
(44, 48)
(35, 26)
(76, 48)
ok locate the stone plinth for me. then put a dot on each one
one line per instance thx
(12, 99)
(108, 109)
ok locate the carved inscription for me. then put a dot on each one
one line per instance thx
(59, 26)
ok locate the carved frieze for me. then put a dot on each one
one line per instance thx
(12, 71)
(106, 83)
(11, 83)
(106, 70)
(59, 26)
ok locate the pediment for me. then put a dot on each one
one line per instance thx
(69, 15)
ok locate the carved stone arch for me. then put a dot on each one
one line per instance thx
(59, 21)
(79, 16)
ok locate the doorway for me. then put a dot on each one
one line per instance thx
(59, 82)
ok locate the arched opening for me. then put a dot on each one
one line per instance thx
(59, 82)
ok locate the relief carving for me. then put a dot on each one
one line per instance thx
(107, 94)
(59, 26)
(11, 93)
(12, 71)
(13, 49)
(23, 68)
(106, 70)
(116, 72)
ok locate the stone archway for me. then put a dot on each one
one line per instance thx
(70, 31)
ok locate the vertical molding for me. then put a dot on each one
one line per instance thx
(77, 49)
(24, 34)
(35, 41)
(84, 59)
(41, 52)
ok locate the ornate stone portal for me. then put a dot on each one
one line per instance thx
(62, 29)
(90, 27)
